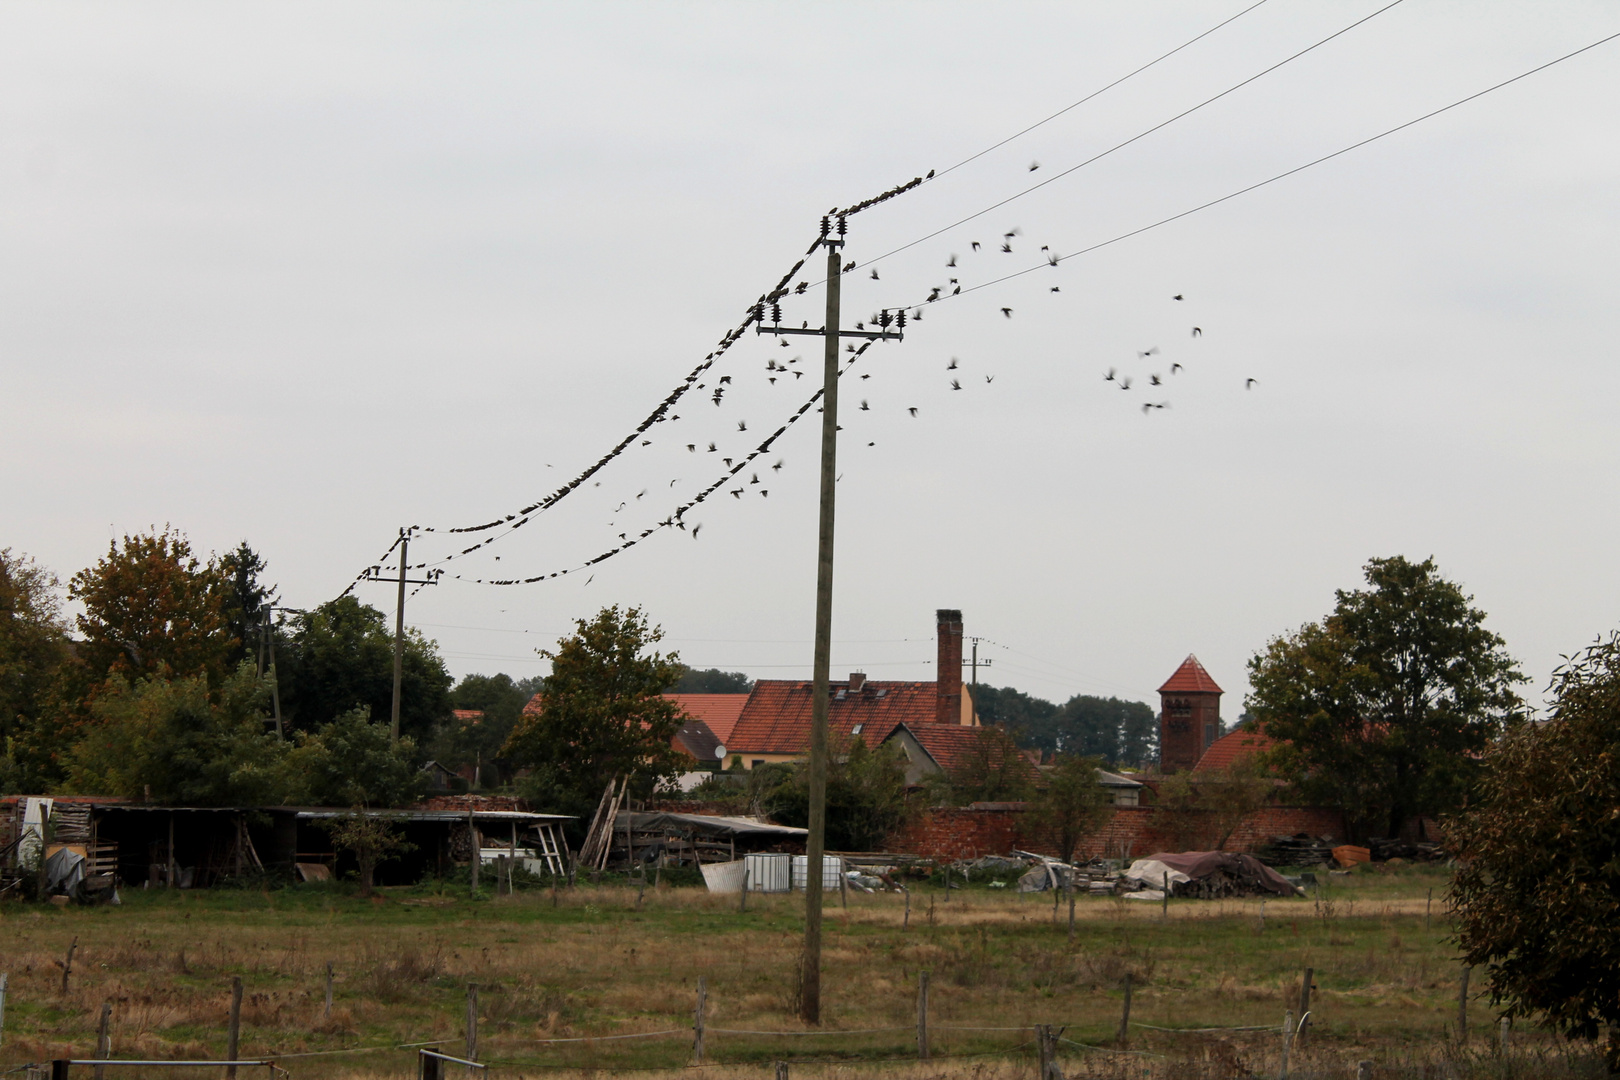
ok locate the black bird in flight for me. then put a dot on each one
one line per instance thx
(1154, 351)
(866, 376)
(1051, 259)
(1178, 296)
(975, 245)
(695, 529)
(1055, 289)
(765, 493)
(1125, 383)
(742, 425)
(777, 466)
(1198, 331)
(755, 479)
(953, 261)
(912, 410)
(1007, 311)
(1110, 376)
(643, 492)
(1006, 246)
(712, 448)
(874, 275)
(1174, 368)
(952, 365)
(727, 461)
(646, 442)
(864, 406)
(1034, 165)
(691, 447)
(956, 384)
(989, 379)
(1154, 380)
(736, 493)
(725, 378)
(1248, 384)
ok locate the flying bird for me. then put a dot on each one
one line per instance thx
(989, 379)
(912, 410)
(1006, 246)
(742, 425)
(1154, 380)
(864, 406)
(1248, 384)
(874, 275)
(1007, 311)
(952, 262)
(975, 245)
(643, 492)
(777, 467)
(1110, 376)
(1178, 296)
(695, 529)
(712, 448)
(952, 365)
(956, 384)
(727, 461)
(1034, 165)
(725, 378)
(1198, 331)
(1125, 383)
(1154, 351)
(1174, 368)
(692, 447)
(1055, 289)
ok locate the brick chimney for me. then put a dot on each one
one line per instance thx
(857, 679)
(948, 678)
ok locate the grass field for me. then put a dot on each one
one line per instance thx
(591, 964)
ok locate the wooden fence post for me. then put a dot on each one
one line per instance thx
(907, 924)
(1164, 903)
(1503, 1026)
(477, 857)
(327, 1014)
(1046, 1039)
(67, 962)
(103, 1038)
(742, 901)
(947, 883)
(431, 1068)
(1363, 1070)
(922, 1015)
(697, 1020)
(59, 1068)
(1304, 1005)
(641, 887)
(1071, 907)
(781, 1070)
(1124, 1036)
(1462, 1006)
(4, 976)
(1428, 905)
(233, 1032)
(472, 1025)
(1288, 1042)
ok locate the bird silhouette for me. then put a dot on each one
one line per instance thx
(1153, 351)
(773, 380)
(754, 479)
(1198, 331)
(1248, 384)
(864, 406)
(1034, 165)
(866, 376)
(1153, 380)
(778, 466)
(1005, 246)
(955, 384)
(975, 245)
(1007, 311)
(798, 374)
(989, 379)
(1174, 368)
(695, 529)
(1055, 289)
(736, 493)
(765, 493)
(727, 461)
(646, 442)
(1110, 376)
(742, 425)
(621, 506)
(643, 492)
(712, 448)
(1125, 383)
(1178, 296)
(725, 378)
(912, 410)
(952, 261)
(675, 481)
(871, 444)
(952, 365)
(849, 267)
(874, 275)
(691, 447)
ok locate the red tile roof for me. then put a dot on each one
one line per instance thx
(719, 711)
(1232, 748)
(468, 716)
(1190, 678)
(776, 719)
(953, 746)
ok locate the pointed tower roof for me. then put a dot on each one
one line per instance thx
(1190, 678)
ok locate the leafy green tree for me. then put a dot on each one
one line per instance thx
(1537, 889)
(33, 648)
(341, 657)
(1071, 806)
(501, 700)
(372, 838)
(151, 606)
(601, 713)
(352, 761)
(1118, 732)
(711, 681)
(247, 599)
(866, 797)
(171, 740)
(1384, 708)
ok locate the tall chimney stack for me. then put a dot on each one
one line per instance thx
(948, 679)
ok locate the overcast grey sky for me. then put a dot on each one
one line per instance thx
(305, 273)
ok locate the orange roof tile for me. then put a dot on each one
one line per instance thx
(718, 711)
(953, 746)
(1232, 748)
(776, 719)
(468, 716)
(1190, 678)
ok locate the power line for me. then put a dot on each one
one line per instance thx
(1134, 138)
(1099, 92)
(1296, 169)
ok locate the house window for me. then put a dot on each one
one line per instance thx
(1126, 797)
(1179, 708)
(856, 730)
(757, 763)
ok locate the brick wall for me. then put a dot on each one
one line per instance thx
(967, 833)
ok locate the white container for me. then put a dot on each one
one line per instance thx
(771, 873)
(723, 877)
(832, 872)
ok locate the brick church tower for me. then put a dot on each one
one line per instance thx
(1189, 716)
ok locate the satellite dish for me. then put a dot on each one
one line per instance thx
(720, 752)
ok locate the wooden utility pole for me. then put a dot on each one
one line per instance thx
(815, 843)
(431, 578)
(399, 637)
(975, 662)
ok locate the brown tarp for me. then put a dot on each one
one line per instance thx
(1201, 864)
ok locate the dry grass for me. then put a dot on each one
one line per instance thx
(595, 966)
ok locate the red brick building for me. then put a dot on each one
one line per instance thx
(1189, 716)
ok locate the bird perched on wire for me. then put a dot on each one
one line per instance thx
(849, 267)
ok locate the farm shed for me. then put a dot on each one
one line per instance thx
(691, 839)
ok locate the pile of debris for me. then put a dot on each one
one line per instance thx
(1384, 850)
(1203, 875)
(1301, 849)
